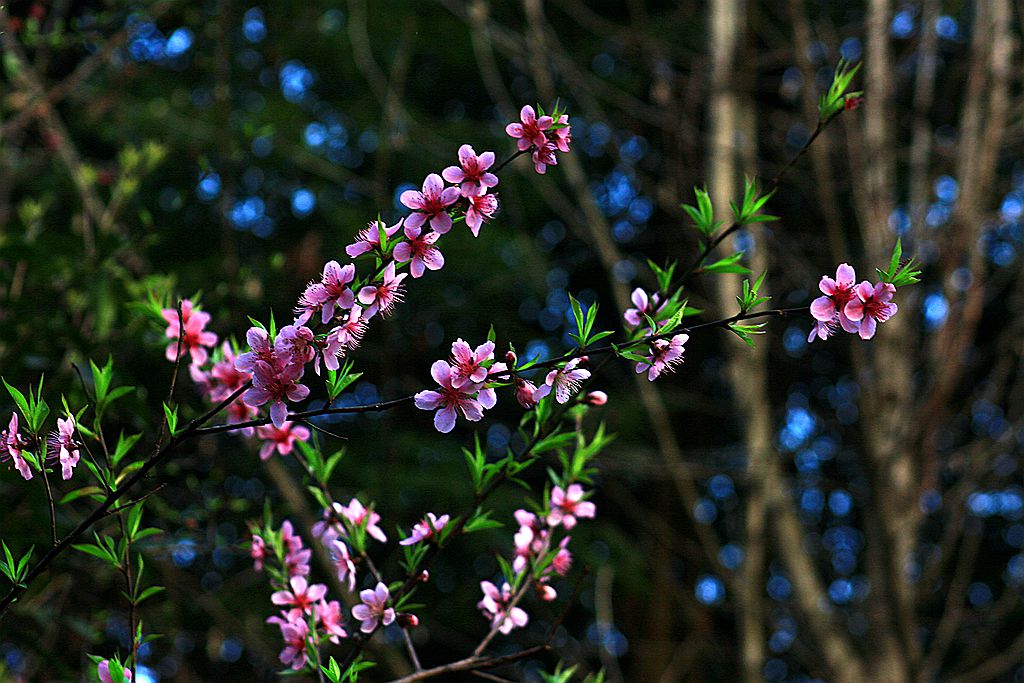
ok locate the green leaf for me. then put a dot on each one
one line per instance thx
(729, 264)
(148, 593)
(171, 414)
(19, 399)
(833, 102)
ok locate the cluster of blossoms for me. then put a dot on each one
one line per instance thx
(856, 308)
(304, 605)
(464, 389)
(534, 553)
(332, 314)
(664, 354)
(544, 135)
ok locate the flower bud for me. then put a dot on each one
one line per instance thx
(424, 576)
(407, 620)
(510, 356)
(524, 393)
(583, 360)
(596, 398)
(546, 592)
(852, 102)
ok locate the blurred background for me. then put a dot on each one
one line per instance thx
(842, 511)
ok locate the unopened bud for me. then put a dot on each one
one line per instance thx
(852, 102)
(596, 398)
(546, 592)
(510, 356)
(407, 620)
(584, 360)
(424, 576)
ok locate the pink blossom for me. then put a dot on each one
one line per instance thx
(529, 541)
(329, 616)
(310, 301)
(430, 204)
(544, 156)
(420, 250)
(374, 608)
(194, 337)
(12, 443)
(369, 239)
(334, 279)
(292, 541)
(838, 293)
(258, 552)
(343, 338)
(496, 605)
(426, 529)
(301, 596)
(450, 401)
(343, 563)
(562, 561)
(261, 350)
(563, 133)
(224, 377)
(331, 291)
(356, 515)
(873, 305)
(467, 364)
(62, 442)
(294, 631)
(473, 172)
(294, 345)
(282, 438)
(530, 132)
(103, 671)
(596, 398)
(822, 330)
(665, 355)
(383, 296)
(645, 305)
(526, 392)
(568, 505)
(296, 560)
(481, 208)
(274, 384)
(565, 381)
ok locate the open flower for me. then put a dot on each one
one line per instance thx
(473, 174)
(384, 295)
(274, 384)
(301, 596)
(496, 606)
(431, 204)
(426, 529)
(419, 251)
(467, 364)
(529, 132)
(329, 616)
(873, 305)
(565, 381)
(335, 281)
(449, 401)
(831, 308)
(356, 514)
(282, 438)
(645, 306)
(568, 505)
(481, 208)
(294, 632)
(194, 338)
(665, 355)
(374, 609)
(62, 443)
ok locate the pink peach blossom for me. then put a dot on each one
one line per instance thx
(472, 172)
(431, 204)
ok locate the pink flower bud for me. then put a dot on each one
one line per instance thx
(407, 620)
(596, 398)
(510, 357)
(424, 576)
(546, 592)
(583, 360)
(524, 393)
